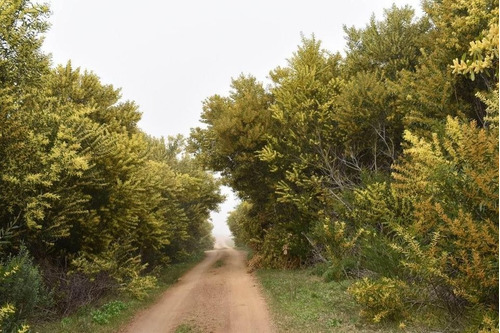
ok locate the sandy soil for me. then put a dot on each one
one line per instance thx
(217, 295)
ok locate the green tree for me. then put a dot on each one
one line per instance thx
(22, 66)
(236, 130)
(389, 46)
(301, 146)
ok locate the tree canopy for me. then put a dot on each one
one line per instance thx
(382, 162)
(83, 190)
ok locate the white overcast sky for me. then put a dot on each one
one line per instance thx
(168, 56)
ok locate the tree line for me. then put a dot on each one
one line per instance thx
(380, 163)
(89, 203)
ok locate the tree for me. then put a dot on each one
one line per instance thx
(236, 130)
(388, 46)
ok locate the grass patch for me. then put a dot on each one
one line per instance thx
(109, 310)
(303, 302)
(116, 310)
(187, 328)
(219, 263)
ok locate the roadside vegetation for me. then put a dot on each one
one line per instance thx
(303, 300)
(90, 205)
(113, 312)
(380, 163)
(188, 328)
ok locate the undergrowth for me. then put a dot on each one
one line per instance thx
(302, 301)
(115, 311)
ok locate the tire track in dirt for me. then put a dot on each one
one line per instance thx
(217, 295)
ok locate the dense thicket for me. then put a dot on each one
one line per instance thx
(84, 193)
(382, 162)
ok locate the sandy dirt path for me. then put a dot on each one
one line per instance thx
(217, 295)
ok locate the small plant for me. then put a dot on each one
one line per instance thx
(332, 322)
(187, 328)
(5, 312)
(489, 324)
(107, 311)
(219, 263)
(21, 291)
(140, 286)
(382, 299)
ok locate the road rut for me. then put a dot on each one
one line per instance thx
(217, 295)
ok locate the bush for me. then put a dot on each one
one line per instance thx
(382, 299)
(22, 290)
(451, 239)
(140, 285)
(340, 244)
(72, 291)
(483, 320)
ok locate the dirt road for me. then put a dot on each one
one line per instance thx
(217, 295)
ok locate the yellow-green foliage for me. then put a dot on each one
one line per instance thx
(483, 54)
(81, 183)
(139, 286)
(489, 325)
(338, 236)
(22, 292)
(243, 227)
(6, 311)
(384, 298)
(452, 238)
(491, 101)
(118, 264)
(460, 21)
(440, 215)
(340, 243)
(280, 248)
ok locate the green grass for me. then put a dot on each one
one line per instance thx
(303, 302)
(219, 263)
(115, 311)
(106, 312)
(187, 328)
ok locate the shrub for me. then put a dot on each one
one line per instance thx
(483, 320)
(5, 313)
(140, 285)
(452, 238)
(21, 290)
(382, 299)
(76, 289)
(489, 324)
(122, 267)
(340, 246)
